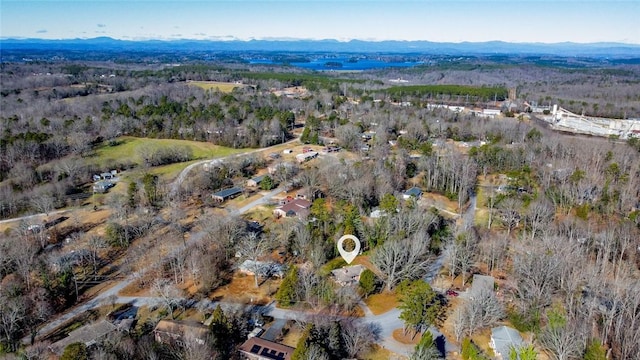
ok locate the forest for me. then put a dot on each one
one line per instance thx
(554, 218)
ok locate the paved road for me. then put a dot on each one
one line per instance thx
(386, 322)
(35, 217)
(265, 199)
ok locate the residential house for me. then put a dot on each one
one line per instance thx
(490, 113)
(255, 182)
(309, 194)
(226, 194)
(102, 186)
(348, 275)
(292, 208)
(88, 335)
(262, 268)
(414, 192)
(503, 338)
(280, 167)
(482, 283)
(306, 156)
(260, 349)
(177, 332)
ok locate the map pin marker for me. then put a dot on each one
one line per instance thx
(348, 256)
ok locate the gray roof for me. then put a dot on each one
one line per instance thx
(348, 274)
(258, 179)
(228, 192)
(87, 335)
(503, 338)
(482, 282)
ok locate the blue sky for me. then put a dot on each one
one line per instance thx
(434, 20)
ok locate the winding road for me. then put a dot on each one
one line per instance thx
(386, 323)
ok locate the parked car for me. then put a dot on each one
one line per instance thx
(452, 293)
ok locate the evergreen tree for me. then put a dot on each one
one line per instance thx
(523, 353)
(389, 204)
(367, 282)
(132, 192)
(220, 331)
(267, 183)
(594, 351)
(335, 342)
(302, 348)
(286, 294)
(420, 306)
(306, 135)
(75, 351)
(426, 348)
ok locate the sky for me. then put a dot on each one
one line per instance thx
(547, 21)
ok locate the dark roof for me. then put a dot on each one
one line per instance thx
(295, 206)
(228, 192)
(267, 349)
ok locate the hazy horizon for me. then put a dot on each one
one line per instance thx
(516, 21)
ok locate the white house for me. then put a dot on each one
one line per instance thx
(306, 156)
(490, 112)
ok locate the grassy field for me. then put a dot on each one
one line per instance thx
(381, 303)
(224, 87)
(128, 149)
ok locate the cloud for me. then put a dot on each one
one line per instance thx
(41, 31)
(102, 25)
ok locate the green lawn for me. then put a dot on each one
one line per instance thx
(170, 171)
(129, 147)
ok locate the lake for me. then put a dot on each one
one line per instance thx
(340, 64)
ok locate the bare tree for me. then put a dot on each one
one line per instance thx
(358, 337)
(168, 294)
(42, 203)
(482, 310)
(537, 272)
(510, 213)
(398, 260)
(562, 342)
(460, 253)
(252, 247)
(539, 215)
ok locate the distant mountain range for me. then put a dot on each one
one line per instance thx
(353, 46)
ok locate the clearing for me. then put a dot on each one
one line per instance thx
(225, 87)
(242, 289)
(128, 149)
